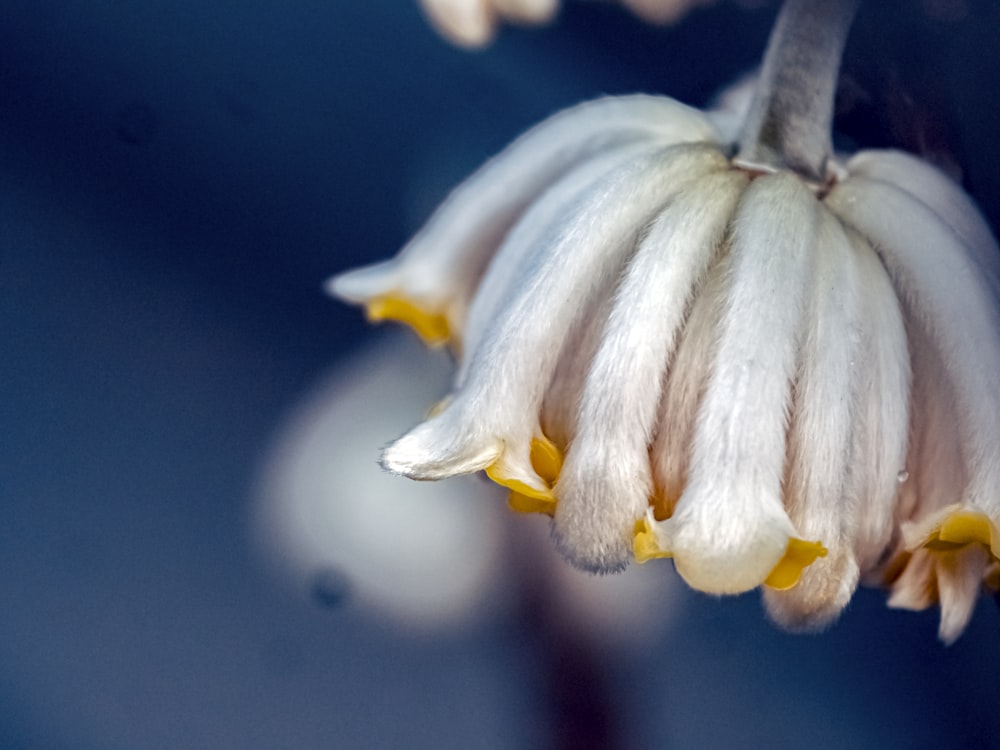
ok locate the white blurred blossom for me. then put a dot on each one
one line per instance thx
(429, 556)
(408, 550)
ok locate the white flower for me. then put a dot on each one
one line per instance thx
(674, 353)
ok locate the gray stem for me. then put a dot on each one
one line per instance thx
(791, 118)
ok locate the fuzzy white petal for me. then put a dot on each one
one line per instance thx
(513, 365)
(729, 529)
(359, 285)
(606, 483)
(439, 269)
(939, 193)
(915, 588)
(878, 455)
(685, 387)
(537, 228)
(959, 578)
(944, 294)
(820, 435)
(560, 407)
(936, 470)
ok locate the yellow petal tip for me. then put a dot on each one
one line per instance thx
(964, 527)
(546, 461)
(519, 487)
(432, 327)
(524, 504)
(799, 555)
(644, 544)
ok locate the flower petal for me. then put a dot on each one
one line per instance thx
(533, 232)
(881, 430)
(605, 484)
(687, 378)
(560, 407)
(435, 276)
(959, 579)
(936, 190)
(547, 461)
(820, 435)
(798, 556)
(937, 473)
(439, 448)
(916, 587)
(729, 529)
(953, 527)
(945, 295)
(499, 402)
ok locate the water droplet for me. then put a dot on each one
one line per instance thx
(902, 476)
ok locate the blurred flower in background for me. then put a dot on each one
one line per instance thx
(344, 529)
(733, 351)
(473, 23)
(328, 511)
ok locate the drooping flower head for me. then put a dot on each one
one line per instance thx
(776, 368)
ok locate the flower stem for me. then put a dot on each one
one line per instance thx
(790, 120)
